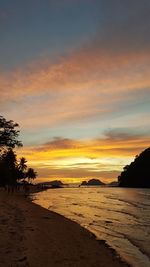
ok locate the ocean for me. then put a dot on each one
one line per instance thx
(120, 216)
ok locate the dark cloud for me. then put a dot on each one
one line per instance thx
(59, 143)
(118, 134)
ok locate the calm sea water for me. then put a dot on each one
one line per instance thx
(119, 216)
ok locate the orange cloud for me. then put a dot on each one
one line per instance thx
(86, 83)
(81, 69)
(85, 158)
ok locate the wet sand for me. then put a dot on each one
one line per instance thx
(33, 236)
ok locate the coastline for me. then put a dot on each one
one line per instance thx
(33, 236)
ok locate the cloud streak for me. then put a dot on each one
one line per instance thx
(91, 158)
(88, 80)
(99, 87)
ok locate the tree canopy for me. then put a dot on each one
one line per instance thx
(12, 170)
(9, 134)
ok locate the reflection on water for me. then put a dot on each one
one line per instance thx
(119, 216)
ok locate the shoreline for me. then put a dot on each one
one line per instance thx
(91, 234)
(31, 235)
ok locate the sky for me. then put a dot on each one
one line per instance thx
(75, 75)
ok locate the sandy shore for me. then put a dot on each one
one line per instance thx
(33, 236)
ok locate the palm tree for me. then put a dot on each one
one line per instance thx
(22, 164)
(22, 167)
(31, 174)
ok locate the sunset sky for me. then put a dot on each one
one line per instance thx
(75, 75)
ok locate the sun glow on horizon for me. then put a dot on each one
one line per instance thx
(75, 161)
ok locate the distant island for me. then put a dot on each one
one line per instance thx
(137, 174)
(53, 184)
(92, 182)
(113, 184)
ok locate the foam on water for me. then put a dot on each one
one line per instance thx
(119, 216)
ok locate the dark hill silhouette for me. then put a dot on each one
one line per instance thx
(92, 182)
(54, 183)
(137, 174)
(113, 183)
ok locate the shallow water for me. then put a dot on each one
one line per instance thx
(118, 215)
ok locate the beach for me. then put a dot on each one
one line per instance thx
(33, 236)
(120, 216)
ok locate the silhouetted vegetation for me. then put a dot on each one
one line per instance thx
(11, 170)
(8, 134)
(30, 174)
(137, 174)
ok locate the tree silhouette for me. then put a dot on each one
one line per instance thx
(8, 167)
(31, 174)
(22, 167)
(12, 171)
(9, 134)
(22, 164)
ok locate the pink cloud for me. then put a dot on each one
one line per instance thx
(86, 83)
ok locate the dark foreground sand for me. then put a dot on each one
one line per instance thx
(33, 236)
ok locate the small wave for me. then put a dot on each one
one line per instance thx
(122, 217)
